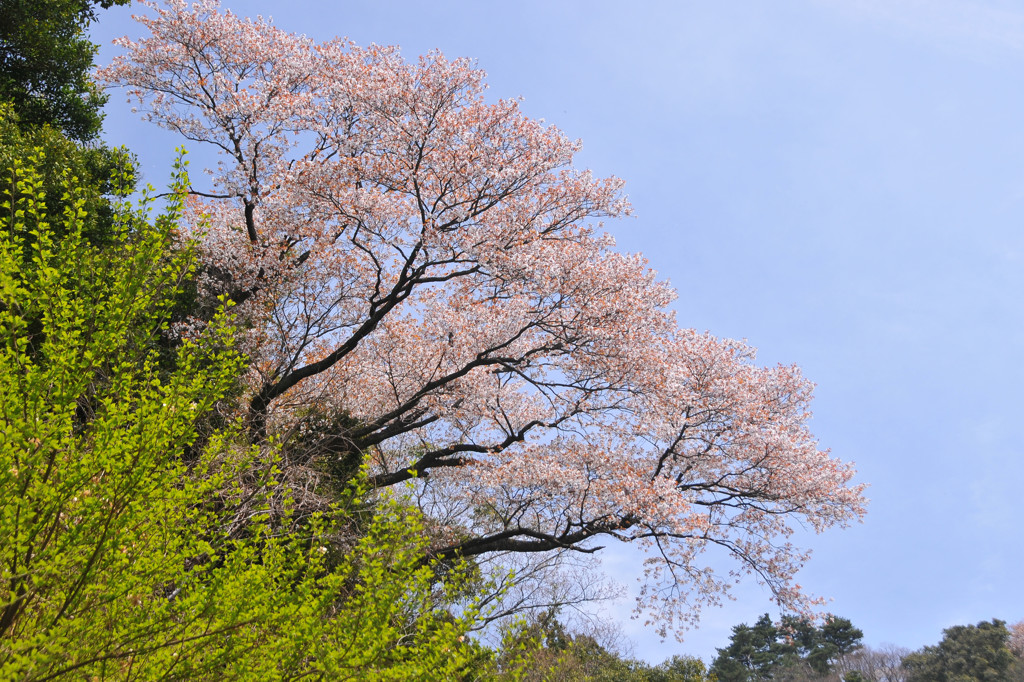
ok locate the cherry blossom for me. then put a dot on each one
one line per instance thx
(424, 282)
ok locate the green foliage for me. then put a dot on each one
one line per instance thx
(88, 433)
(49, 102)
(680, 669)
(548, 652)
(795, 647)
(967, 653)
(751, 654)
(818, 647)
(45, 60)
(122, 558)
(99, 174)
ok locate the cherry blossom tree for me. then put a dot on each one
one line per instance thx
(1017, 639)
(426, 286)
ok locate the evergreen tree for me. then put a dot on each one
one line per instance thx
(795, 648)
(45, 60)
(967, 653)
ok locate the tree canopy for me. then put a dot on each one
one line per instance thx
(767, 650)
(424, 284)
(556, 653)
(967, 653)
(45, 63)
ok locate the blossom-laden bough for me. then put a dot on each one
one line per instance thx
(425, 283)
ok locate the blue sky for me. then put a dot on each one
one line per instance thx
(841, 183)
